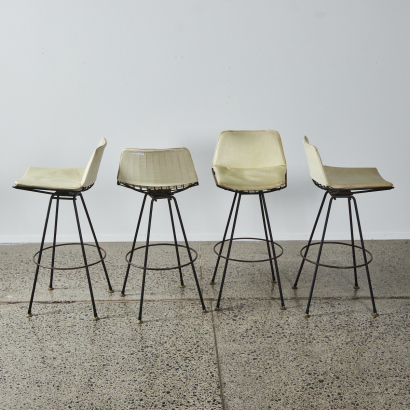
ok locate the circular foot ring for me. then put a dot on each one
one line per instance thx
(162, 244)
(247, 261)
(76, 267)
(334, 266)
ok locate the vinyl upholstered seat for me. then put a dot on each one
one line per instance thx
(343, 183)
(65, 184)
(71, 179)
(159, 174)
(157, 168)
(249, 163)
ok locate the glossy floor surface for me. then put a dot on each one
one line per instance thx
(249, 355)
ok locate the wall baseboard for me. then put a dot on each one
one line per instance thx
(16, 239)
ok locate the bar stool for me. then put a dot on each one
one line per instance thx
(65, 184)
(249, 163)
(159, 174)
(340, 183)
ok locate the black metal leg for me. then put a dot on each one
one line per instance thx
(273, 251)
(190, 256)
(356, 285)
(85, 258)
(295, 285)
(39, 257)
(365, 258)
(223, 240)
(50, 286)
(229, 252)
(133, 245)
(267, 239)
(176, 243)
(145, 261)
(96, 243)
(318, 258)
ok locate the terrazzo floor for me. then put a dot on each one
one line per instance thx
(249, 355)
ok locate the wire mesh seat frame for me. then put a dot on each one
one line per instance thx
(57, 195)
(339, 194)
(156, 194)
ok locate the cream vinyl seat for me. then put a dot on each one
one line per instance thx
(65, 184)
(71, 179)
(159, 174)
(343, 183)
(249, 163)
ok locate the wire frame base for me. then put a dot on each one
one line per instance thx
(162, 244)
(248, 261)
(75, 267)
(336, 266)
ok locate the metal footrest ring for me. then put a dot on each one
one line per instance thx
(248, 261)
(162, 244)
(76, 267)
(334, 266)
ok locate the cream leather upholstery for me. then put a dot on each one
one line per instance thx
(341, 178)
(73, 179)
(157, 168)
(249, 160)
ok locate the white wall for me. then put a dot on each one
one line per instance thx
(176, 73)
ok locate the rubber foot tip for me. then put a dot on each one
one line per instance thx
(96, 318)
(294, 287)
(50, 288)
(375, 314)
(181, 286)
(217, 309)
(205, 311)
(110, 291)
(283, 308)
(356, 287)
(274, 281)
(306, 315)
(122, 295)
(139, 322)
(212, 283)
(29, 315)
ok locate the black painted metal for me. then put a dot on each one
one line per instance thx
(318, 256)
(145, 260)
(223, 240)
(356, 284)
(349, 195)
(50, 286)
(295, 285)
(229, 251)
(266, 236)
(364, 257)
(175, 242)
(85, 258)
(133, 246)
(155, 195)
(39, 257)
(72, 196)
(273, 251)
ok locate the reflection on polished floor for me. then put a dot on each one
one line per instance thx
(249, 355)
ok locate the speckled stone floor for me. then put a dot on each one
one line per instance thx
(249, 355)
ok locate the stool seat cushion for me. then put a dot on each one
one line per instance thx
(52, 178)
(354, 178)
(250, 179)
(171, 168)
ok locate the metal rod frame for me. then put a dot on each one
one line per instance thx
(155, 195)
(58, 195)
(337, 194)
(268, 239)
